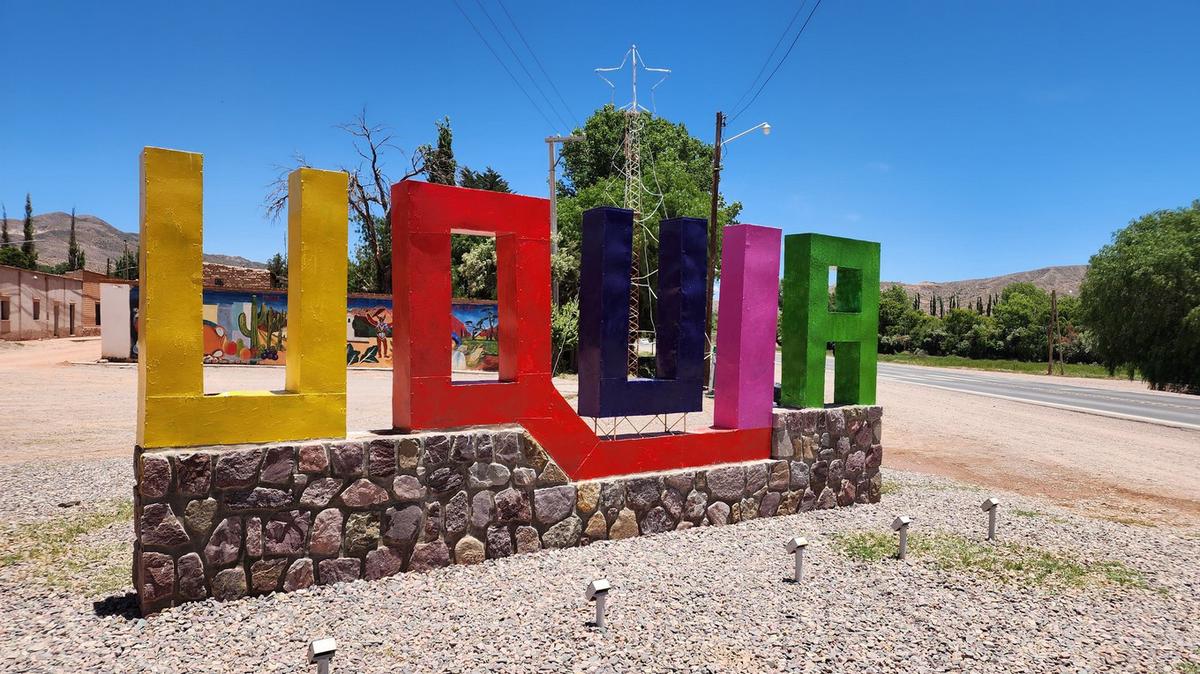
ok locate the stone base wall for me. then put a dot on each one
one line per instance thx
(233, 521)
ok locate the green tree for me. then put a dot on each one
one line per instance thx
(893, 305)
(440, 166)
(893, 302)
(564, 334)
(970, 335)
(1141, 299)
(75, 254)
(1022, 314)
(12, 256)
(127, 264)
(278, 268)
(369, 271)
(9, 253)
(27, 246)
(489, 179)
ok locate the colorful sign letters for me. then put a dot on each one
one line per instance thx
(173, 410)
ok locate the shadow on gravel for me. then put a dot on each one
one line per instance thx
(124, 606)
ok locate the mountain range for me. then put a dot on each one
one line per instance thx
(99, 240)
(1065, 279)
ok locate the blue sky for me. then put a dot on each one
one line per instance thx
(969, 138)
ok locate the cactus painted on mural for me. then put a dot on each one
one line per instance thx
(265, 330)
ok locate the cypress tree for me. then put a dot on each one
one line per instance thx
(127, 264)
(27, 245)
(916, 302)
(5, 239)
(74, 255)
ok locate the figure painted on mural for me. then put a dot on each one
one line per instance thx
(383, 331)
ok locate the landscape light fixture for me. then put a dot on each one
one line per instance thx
(901, 524)
(597, 591)
(320, 652)
(990, 506)
(796, 546)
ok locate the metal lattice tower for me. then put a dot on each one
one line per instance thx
(633, 201)
(634, 188)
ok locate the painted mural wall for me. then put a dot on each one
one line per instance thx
(250, 328)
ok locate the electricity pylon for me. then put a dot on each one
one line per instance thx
(633, 183)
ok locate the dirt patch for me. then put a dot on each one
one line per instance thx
(1102, 466)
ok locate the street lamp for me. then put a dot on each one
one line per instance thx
(766, 129)
(712, 236)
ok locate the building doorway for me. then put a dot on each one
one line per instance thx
(71, 319)
(56, 319)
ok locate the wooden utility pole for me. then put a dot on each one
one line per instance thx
(553, 182)
(713, 233)
(1052, 331)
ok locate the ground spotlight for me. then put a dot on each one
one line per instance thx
(320, 652)
(990, 506)
(597, 591)
(796, 546)
(901, 524)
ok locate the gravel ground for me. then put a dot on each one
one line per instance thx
(705, 600)
(62, 487)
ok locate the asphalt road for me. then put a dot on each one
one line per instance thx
(1161, 408)
(1167, 409)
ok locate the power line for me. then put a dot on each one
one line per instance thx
(781, 62)
(539, 64)
(770, 56)
(521, 63)
(503, 65)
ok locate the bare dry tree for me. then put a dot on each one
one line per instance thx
(368, 199)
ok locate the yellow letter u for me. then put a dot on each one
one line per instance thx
(173, 410)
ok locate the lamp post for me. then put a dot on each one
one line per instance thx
(713, 230)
